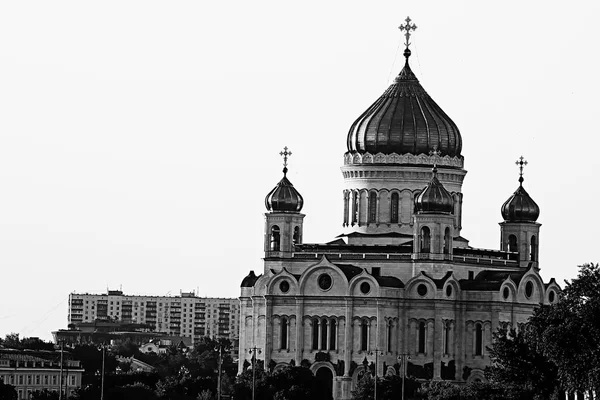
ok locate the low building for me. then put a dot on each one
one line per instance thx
(35, 370)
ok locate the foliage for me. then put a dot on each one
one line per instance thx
(12, 341)
(44, 394)
(322, 356)
(7, 392)
(568, 332)
(291, 383)
(517, 361)
(388, 387)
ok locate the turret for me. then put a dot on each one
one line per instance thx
(283, 222)
(520, 232)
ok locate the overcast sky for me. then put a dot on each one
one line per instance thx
(138, 139)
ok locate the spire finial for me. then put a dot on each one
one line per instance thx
(521, 162)
(408, 28)
(435, 153)
(285, 153)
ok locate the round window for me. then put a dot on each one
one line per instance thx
(365, 287)
(422, 289)
(448, 290)
(324, 282)
(284, 286)
(551, 296)
(505, 293)
(529, 289)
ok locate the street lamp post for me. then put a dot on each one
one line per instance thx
(377, 352)
(102, 378)
(403, 358)
(220, 362)
(253, 351)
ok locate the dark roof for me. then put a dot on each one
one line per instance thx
(404, 120)
(384, 234)
(249, 280)
(490, 280)
(386, 281)
(434, 198)
(389, 281)
(284, 197)
(520, 207)
(439, 283)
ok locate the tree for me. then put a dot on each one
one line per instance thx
(388, 387)
(517, 361)
(568, 332)
(44, 394)
(7, 392)
(13, 341)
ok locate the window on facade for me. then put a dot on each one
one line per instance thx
(512, 243)
(332, 335)
(372, 207)
(346, 207)
(478, 340)
(364, 335)
(533, 248)
(395, 208)
(324, 327)
(355, 207)
(297, 235)
(37, 379)
(447, 338)
(389, 337)
(447, 241)
(72, 380)
(284, 334)
(275, 238)
(315, 334)
(421, 345)
(425, 240)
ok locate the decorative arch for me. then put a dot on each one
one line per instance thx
(321, 364)
(284, 274)
(413, 284)
(477, 375)
(324, 265)
(364, 276)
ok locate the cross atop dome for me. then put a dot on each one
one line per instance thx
(521, 162)
(408, 28)
(285, 153)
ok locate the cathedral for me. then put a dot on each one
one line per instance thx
(399, 291)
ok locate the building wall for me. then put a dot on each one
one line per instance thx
(28, 377)
(185, 315)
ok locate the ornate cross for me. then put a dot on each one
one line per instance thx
(285, 153)
(435, 153)
(407, 27)
(521, 162)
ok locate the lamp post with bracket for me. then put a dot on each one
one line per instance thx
(253, 351)
(403, 358)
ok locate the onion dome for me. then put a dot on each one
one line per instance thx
(520, 207)
(405, 120)
(434, 199)
(249, 280)
(284, 197)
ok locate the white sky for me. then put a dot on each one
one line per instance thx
(138, 139)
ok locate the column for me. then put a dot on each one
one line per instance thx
(299, 330)
(268, 330)
(438, 348)
(328, 335)
(348, 339)
(320, 338)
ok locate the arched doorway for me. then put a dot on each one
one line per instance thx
(325, 378)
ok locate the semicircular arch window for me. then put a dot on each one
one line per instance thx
(506, 293)
(551, 296)
(449, 290)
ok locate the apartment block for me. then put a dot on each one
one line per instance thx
(184, 315)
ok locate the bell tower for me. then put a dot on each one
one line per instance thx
(283, 221)
(519, 232)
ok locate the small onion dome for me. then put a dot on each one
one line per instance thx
(434, 198)
(284, 197)
(249, 280)
(520, 207)
(405, 120)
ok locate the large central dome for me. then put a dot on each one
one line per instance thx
(405, 120)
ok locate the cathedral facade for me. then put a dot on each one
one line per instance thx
(399, 291)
